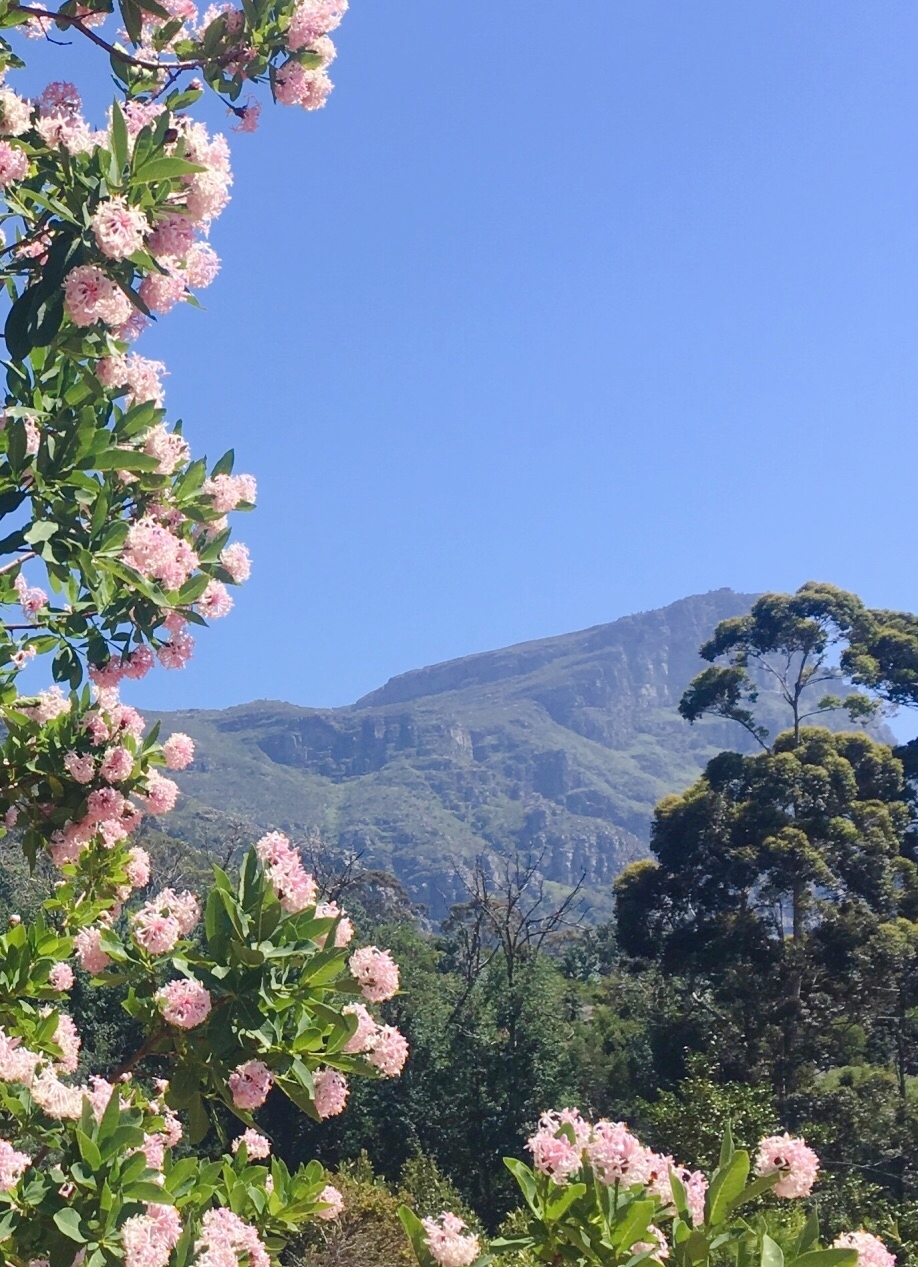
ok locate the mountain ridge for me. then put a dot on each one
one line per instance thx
(558, 747)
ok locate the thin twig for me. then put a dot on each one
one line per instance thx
(111, 49)
(8, 567)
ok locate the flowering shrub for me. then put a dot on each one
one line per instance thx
(118, 546)
(596, 1195)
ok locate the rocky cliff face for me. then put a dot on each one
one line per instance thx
(559, 747)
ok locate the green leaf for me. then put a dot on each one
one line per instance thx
(120, 148)
(164, 169)
(527, 1183)
(727, 1148)
(637, 1218)
(827, 1258)
(68, 1222)
(772, 1255)
(120, 460)
(810, 1234)
(726, 1186)
(89, 1150)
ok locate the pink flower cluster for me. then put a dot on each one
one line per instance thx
(871, 1252)
(797, 1164)
(31, 598)
(12, 1166)
(87, 946)
(229, 491)
(377, 973)
(158, 554)
(150, 1238)
(383, 1045)
(91, 296)
(118, 228)
(67, 1038)
(249, 1084)
(184, 1004)
(344, 932)
(450, 1244)
(333, 1202)
(295, 888)
(178, 751)
(257, 1147)
(331, 1092)
(565, 1142)
(141, 380)
(226, 1239)
(159, 923)
(61, 977)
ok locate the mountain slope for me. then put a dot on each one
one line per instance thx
(560, 747)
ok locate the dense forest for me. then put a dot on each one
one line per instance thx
(760, 969)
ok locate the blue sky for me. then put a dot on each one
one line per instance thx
(553, 314)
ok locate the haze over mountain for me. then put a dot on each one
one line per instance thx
(559, 747)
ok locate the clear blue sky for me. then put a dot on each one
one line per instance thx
(557, 312)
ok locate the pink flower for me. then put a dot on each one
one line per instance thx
(226, 1239)
(150, 1238)
(616, 1155)
(215, 601)
(172, 238)
(171, 449)
(178, 751)
(871, 1252)
(161, 291)
(81, 769)
(235, 559)
(104, 803)
(184, 1004)
(153, 931)
(207, 195)
(256, 1146)
(297, 86)
(15, 114)
(377, 973)
(138, 868)
(390, 1051)
(90, 296)
(136, 374)
(159, 923)
(798, 1163)
(88, 949)
(55, 1097)
(248, 117)
(12, 1165)
(333, 1201)
(117, 765)
(14, 164)
(230, 491)
(449, 1244)
(202, 266)
(31, 599)
(331, 1092)
(249, 1084)
(313, 19)
(61, 977)
(344, 932)
(294, 887)
(67, 1037)
(118, 228)
(139, 663)
(554, 1153)
(365, 1035)
(161, 794)
(157, 553)
(658, 1245)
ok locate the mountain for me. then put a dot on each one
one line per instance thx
(559, 748)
